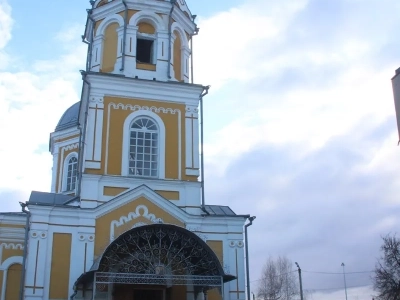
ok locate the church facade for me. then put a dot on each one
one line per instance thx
(125, 218)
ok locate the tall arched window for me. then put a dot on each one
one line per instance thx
(72, 168)
(144, 148)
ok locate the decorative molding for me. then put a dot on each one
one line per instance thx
(192, 110)
(12, 246)
(83, 237)
(8, 246)
(96, 99)
(149, 16)
(236, 244)
(70, 147)
(62, 166)
(4, 267)
(138, 107)
(115, 18)
(141, 211)
(152, 109)
(38, 234)
(12, 233)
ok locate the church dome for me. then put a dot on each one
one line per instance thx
(69, 118)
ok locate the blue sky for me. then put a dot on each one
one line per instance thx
(299, 123)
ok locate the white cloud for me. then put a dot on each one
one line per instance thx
(300, 130)
(295, 89)
(6, 23)
(31, 103)
(227, 41)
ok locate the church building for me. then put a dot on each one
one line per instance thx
(126, 217)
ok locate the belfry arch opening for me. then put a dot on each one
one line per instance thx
(159, 261)
(145, 43)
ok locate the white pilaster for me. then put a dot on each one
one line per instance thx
(192, 141)
(54, 169)
(130, 51)
(185, 62)
(97, 53)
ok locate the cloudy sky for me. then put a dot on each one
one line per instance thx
(299, 125)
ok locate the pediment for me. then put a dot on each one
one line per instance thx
(134, 208)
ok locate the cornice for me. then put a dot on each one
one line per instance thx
(159, 7)
(12, 219)
(124, 181)
(125, 87)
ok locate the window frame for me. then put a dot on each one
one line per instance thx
(65, 172)
(153, 54)
(137, 145)
(126, 143)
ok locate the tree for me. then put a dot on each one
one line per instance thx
(278, 280)
(387, 270)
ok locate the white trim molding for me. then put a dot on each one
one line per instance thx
(62, 166)
(140, 211)
(107, 21)
(65, 164)
(150, 17)
(4, 267)
(126, 140)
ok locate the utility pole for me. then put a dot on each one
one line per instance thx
(344, 278)
(301, 284)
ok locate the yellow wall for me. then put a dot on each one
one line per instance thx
(13, 282)
(60, 266)
(217, 247)
(113, 191)
(117, 119)
(110, 48)
(4, 225)
(178, 57)
(59, 140)
(213, 295)
(145, 66)
(146, 28)
(7, 253)
(170, 195)
(103, 223)
(131, 12)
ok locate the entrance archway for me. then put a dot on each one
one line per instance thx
(156, 257)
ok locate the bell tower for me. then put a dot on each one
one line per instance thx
(141, 39)
(125, 217)
(138, 115)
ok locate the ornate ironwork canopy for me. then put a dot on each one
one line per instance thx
(158, 254)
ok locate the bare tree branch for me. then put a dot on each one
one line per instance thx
(387, 270)
(278, 280)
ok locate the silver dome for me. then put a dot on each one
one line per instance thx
(69, 118)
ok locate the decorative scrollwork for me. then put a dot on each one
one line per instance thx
(160, 249)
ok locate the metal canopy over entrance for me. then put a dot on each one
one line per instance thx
(159, 255)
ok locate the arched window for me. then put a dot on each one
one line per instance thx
(70, 173)
(144, 148)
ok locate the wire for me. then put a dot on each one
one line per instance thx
(274, 276)
(341, 273)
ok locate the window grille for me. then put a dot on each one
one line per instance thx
(143, 148)
(72, 169)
